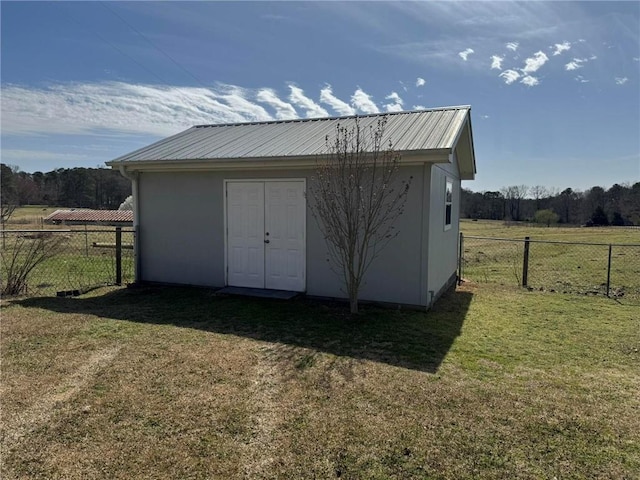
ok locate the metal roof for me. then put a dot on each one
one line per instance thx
(90, 216)
(410, 131)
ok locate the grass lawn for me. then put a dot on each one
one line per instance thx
(559, 267)
(494, 382)
(500, 229)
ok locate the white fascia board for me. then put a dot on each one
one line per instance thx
(406, 158)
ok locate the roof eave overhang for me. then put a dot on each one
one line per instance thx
(414, 157)
(467, 160)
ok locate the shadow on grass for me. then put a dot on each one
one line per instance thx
(409, 339)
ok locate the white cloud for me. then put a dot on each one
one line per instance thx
(340, 107)
(621, 80)
(121, 107)
(363, 103)
(420, 82)
(298, 98)
(509, 76)
(574, 64)
(593, 57)
(496, 62)
(561, 47)
(485, 117)
(284, 110)
(396, 103)
(636, 59)
(513, 46)
(419, 107)
(533, 64)
(235, 97)
(10, 156)
(529, 81)
(581, 79)
(465, 53)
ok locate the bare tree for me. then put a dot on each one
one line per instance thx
(357, 198)
(539, 193)
(6, 210)
(514, 195)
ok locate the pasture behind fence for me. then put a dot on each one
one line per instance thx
(559, 266)
(66, 262)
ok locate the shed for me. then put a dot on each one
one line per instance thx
(207, 200)
(85, 216)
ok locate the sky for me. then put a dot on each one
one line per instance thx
(554, 87)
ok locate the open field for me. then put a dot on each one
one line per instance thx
(500, 229)
(494, 382)
(30, 216)
(559, 267)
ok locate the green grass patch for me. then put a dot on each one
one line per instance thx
(494, 382)
(580, 267)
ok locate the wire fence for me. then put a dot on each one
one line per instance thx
(568, 267)
(65, 262)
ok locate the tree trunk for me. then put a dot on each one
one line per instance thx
(353, 304)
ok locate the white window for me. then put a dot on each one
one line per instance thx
(448, 199)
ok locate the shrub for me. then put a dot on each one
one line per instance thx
(546, 217)
(19, 260)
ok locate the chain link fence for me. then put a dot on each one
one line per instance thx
(567, 267)
(65, 262)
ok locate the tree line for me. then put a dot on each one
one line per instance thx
(104, 188)
(618, 205)
(97, 188)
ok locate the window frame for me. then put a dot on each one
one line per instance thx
(448, 203)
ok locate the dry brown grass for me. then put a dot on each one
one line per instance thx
(176, 383)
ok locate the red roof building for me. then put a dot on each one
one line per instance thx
(118, 218)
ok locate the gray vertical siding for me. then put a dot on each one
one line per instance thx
(181, 222)
(395, 276)
(182, 236)
(443, 244)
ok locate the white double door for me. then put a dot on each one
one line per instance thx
(266, 234)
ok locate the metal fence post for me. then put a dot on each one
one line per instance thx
(609, 270)
(460, 257)
(86, 241)
(118, 255)
(525, 263)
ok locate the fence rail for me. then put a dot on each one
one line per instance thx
(570, 267)
(65, 262)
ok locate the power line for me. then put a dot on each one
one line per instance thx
(112, 45)
(154, 45)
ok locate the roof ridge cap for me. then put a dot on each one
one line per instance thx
(320, 119)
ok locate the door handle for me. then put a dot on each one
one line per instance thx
(266, 241)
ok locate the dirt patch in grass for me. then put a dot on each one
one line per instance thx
(258, 455)
(39, 413)
(492, 383)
